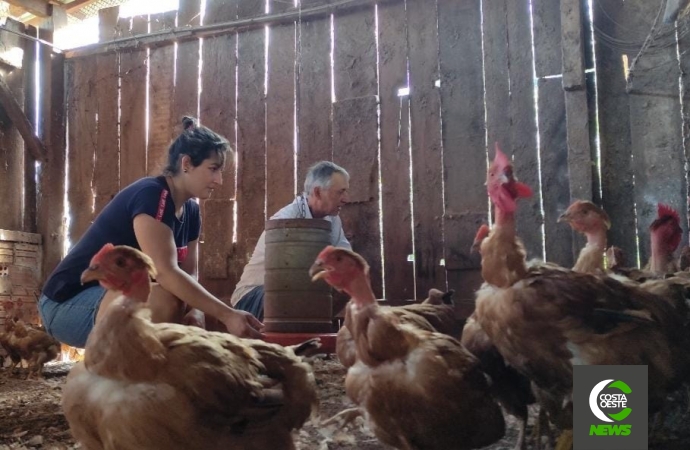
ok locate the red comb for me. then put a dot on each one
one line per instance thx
(500, 157)
(105, 249)
(666, 211)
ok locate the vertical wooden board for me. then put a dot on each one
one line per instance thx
(313, 92)
(618, 200)
(133, 110)
(30, 68)
(218, 84)
(280, 114)
(592, 108)
(108, 24)
(497, 75)
(82, 108)
(523, 124)
(107, 164)
(51, 181)
(161, 80)
(684, 51)
(11, 144)
(398, 275)
(548, 54)
(186, 92)
(217, 111)
(355, 147)
(464, 154)
(580, 162)
(554, 171)
(251, 135)
(354, 53)
(218, 223)
(656, 133)
(355, 131)
(427, 182)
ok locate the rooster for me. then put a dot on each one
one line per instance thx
(544, 319)
(436, 313)
(420, 389)
(152, 386)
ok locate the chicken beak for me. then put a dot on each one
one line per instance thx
(565, 217)
(317, 271)
(91, 273)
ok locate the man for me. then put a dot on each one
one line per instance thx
(325, 192)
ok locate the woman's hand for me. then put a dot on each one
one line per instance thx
(243, 324)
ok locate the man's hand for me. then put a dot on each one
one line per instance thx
(195, 318)
(243, 324)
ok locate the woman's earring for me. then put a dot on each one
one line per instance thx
(185, 170)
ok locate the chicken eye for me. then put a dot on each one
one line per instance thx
(120, 262)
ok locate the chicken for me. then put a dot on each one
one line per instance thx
(509, 387)
(503, 255)
(436, 313)
(665, 234)
(585, 217)
(30, 343)
(544, 319)
(420, 389)
(153, 386)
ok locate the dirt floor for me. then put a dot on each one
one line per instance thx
(31, 418)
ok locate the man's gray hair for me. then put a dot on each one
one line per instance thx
(321, 174)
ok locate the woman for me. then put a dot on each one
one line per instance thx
(159, 216)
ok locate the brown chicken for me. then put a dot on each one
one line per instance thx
(420, 389)
(168, 386)
(436, 313)
(508, 386)
(544, 319)
(587, 218)
(30, 343)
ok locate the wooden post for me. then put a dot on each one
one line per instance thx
(30, 68)
(11, 153)
(580, 164)
(51, 181)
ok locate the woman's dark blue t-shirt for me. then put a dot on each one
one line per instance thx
(115, 224)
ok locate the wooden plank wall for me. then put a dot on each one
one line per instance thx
(417, 160)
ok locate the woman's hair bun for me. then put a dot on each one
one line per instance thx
(189, 123)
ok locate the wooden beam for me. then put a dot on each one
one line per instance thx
(78, 4)
(38, 8)
(19, 119)
(180, 34)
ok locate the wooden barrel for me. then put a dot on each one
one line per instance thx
(292, 302)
